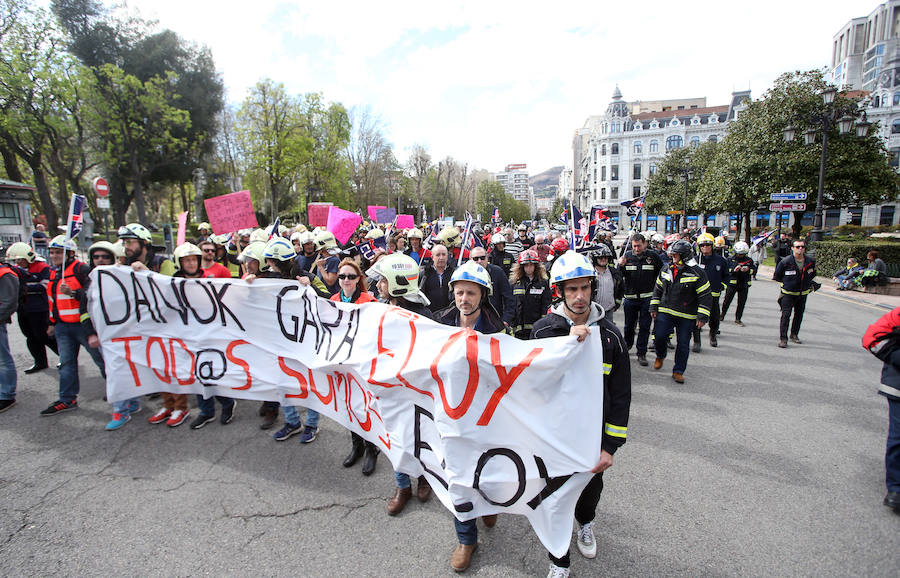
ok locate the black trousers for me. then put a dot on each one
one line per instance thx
(585, 511)
(742, 293)
(34, 327)
(714, 318)
(789, 304)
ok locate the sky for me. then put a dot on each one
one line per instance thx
(494, 83)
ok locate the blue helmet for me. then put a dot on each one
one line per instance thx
(571, 265)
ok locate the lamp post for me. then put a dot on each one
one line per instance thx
(686, 173)
(825, 121)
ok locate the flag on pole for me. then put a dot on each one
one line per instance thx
(761, 238)
(496, 216)
(75, 223)
(634, 207)
(273, 231)
(467, 232)
(424, 214)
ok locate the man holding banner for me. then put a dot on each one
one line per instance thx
(573, 277)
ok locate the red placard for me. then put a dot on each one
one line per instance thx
(318, 214)
(231, 212)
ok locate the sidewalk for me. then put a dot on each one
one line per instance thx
(828, 288)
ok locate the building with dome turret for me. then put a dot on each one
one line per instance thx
(616, 152)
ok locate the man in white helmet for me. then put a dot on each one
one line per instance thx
(574, 278)
(33, 313)
(9, 302)
(499, 255)
(743, 270)
(470, 286)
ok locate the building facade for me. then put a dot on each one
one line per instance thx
(616, 152)
(862, 47)
(514, 179)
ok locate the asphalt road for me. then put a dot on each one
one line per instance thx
(766, 462)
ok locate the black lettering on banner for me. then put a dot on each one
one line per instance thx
(293, 335)
(310, 319)
(180, 308)
(159, 295)
(103, 273)
(211, 366)
(218, 293)
(212, 302)
(420, 445)
(140, 298)
(329, 326)
(520, 470)
(551, 484)
(348, 339)
(153, 291)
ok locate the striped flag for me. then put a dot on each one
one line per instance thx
(75, 223)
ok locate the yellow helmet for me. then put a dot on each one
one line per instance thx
(204, 225)
(135, 231)
(185, 250)
(449, 236)
(326, 240)
(720, 242)
(300, 229)
(20, 250)
(706, 239)
(375, 233)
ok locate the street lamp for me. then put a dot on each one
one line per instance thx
(824, 122)
(686, 174)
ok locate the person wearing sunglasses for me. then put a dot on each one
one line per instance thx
(796, 274)
(212, 268)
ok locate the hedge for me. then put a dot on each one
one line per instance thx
(831, 256)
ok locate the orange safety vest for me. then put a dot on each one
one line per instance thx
(64, 307)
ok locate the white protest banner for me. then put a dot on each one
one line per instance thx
(496, 424)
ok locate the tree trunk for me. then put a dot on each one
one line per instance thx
(40, 182)
(747, 227)
(138, 191)
(11, 163)
(184, 201)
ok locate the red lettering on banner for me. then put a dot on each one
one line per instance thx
(386, 442)
(301, 380)
(381, 350)
(127, 342)
(229, 353)
(506, 379)
(365, 425)
(190, 380)
(165, 377)
(472, 385)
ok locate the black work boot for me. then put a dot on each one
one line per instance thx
(371, 456)
(356, 451)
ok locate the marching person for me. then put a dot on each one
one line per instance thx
(575, 280)
(33, 313)
(397, 278)
(203, 232)
(743, 271)
(65, 295)
(718, 274)
(415, 249)
(434, 279)
(531, 292)
(881, 339)
(610, 283)
(681, 301)
(640, 268)
(502, 296)
(208, 261)
(189, 264)
(499, 256)
(797, 275)
(9, 302)
(471, 309)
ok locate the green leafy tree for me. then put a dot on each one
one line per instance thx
(666, 187)
(327, 170)
(490, 194)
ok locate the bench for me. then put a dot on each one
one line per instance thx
(891, 287)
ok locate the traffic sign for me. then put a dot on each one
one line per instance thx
(101, 187)
(787, 197)
(102, 203)
(780, 207)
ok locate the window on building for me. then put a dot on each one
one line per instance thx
(595, 175)
(614, 148)
(637, 147)
(614, 193)
(614, 173)
(603, 192)
(895, 126)
(674, 142)
(603, 150)
(652, 169)
(603, 173)
(713, 138)
(674, 122)
(636, 171)
(832, 218)
(887, 215)
(897, 99)
(595, 154)
(9, 214)
(855, 215)
(695, 142)
(636, 191)
(654, 146)
(877, 101)
(713, 119)
(654, 124)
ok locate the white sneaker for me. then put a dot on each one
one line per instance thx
(587, 545)
(557, 572)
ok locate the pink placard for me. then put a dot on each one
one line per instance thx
(318, 214)
(231, 212)
(182, 225)
(342, 223)
(373, 211)
(406, 222)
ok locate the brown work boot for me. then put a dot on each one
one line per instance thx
(678, 377)
(398, 501)
(795, 339)
(782, 343)
(462, 557)
(269, 418)
(489, 521)
(423, 490)
(658, 363)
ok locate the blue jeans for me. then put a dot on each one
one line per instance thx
(402, 480)
(312, 418)
(208, 406)
(127, 405)
(292, 416)
(69, 338)
(7, 367)
(466, 532)
(684, 328)
(637, 312)
(892, 453)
